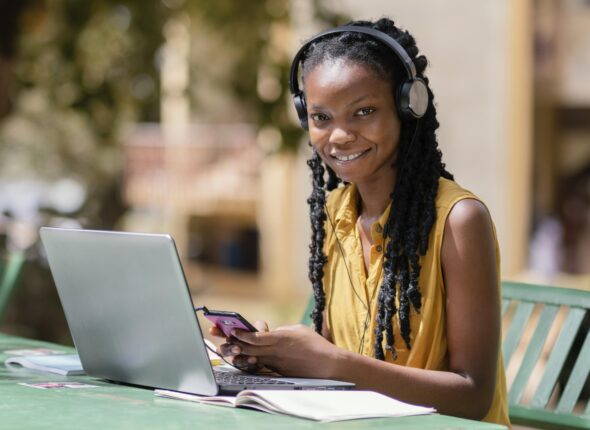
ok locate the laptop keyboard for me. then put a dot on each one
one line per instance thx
(231, 378)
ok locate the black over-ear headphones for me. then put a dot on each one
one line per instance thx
(411, 96)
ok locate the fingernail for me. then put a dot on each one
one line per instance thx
(235, 349)
(252, 360)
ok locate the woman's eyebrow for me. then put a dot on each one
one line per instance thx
(357, 100)
(360, 99)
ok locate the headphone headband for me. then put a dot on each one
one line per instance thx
(376, 34)
(412, 98)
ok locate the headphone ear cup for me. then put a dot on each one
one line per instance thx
(301, 108)
(412, 99)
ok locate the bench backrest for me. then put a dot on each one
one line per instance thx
(547, 342)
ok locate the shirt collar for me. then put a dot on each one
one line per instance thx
(346, 213)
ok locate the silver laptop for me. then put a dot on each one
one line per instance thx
(131, 316)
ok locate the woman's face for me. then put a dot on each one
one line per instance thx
(353, 123)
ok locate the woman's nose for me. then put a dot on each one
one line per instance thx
(341, 136)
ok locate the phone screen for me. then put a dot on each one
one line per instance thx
(228, 321)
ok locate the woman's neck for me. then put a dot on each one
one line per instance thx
(373, 201)
(374, 198)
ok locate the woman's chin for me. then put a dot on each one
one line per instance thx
(346, 173)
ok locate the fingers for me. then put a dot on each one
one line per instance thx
(254, 365)
(261, 326)
(255, 350)
(235, 346)
(246, 363)
(214, 331)
(258, 338)
(229, 350)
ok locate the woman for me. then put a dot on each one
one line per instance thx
(404, 262)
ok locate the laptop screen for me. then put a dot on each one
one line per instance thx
(129, 308)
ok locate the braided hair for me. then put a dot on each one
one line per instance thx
(419, 165)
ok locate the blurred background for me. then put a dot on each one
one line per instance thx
(174, 116)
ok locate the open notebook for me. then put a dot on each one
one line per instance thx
(314, 405)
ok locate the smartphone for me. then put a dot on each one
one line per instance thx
(228, 321)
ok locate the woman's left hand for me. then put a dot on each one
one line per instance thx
(294, 350)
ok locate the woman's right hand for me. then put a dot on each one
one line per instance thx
(233, 353)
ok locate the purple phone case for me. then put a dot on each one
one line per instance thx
(227, 323)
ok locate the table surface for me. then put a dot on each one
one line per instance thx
(116, 406)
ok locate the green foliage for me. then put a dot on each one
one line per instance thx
(246, 59)
(86, 69)
(83, 71)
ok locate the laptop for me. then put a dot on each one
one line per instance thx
(131, 316)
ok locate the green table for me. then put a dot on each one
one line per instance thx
(113, 406)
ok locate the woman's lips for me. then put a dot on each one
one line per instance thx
(348, 157)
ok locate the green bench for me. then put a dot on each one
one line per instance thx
(533, 309)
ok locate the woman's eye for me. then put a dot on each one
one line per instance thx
(318, 116)
(365, 111)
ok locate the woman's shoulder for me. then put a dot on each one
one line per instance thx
(460, 207)
(450, 192)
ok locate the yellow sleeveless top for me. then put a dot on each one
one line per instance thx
(346, 314)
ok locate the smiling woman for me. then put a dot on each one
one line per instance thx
(398, 249)
(353, 125)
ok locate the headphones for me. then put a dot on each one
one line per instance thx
(412, 94)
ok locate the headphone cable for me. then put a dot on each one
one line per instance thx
(371, 299)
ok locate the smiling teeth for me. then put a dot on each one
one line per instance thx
(348, 157)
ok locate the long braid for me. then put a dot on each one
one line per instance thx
(317, 201)
(413, 212)
(333, 180)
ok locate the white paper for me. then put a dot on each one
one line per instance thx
(318, 405)
(66, 364)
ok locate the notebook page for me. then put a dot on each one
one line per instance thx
(329, 405)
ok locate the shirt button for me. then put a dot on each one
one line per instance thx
(379, 248)
(379, 229)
